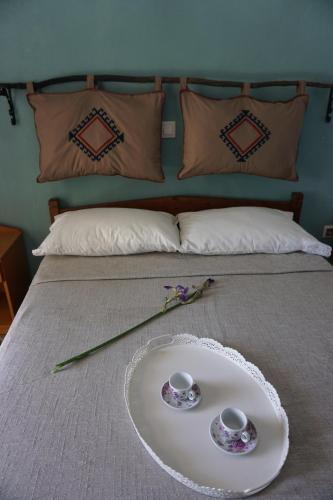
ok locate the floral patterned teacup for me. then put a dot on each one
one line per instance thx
(181, 384)
(233, 425)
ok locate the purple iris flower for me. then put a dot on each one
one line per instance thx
(182, 293)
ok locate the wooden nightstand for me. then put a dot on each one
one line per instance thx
(14, 275)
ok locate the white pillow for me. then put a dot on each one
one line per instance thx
(111, 231)
(240, 230)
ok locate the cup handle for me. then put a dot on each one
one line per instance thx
(245, 437)
(191, 395)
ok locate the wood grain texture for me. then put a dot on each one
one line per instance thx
(8, 235)
(178, 204)
(14, 274)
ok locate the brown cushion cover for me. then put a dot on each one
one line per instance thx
(240, 134)
(98, 132)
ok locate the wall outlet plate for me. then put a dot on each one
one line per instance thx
(168, 130)
(328, 231)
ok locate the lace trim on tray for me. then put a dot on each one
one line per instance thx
(238, 359)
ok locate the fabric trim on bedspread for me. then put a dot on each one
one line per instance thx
(160, 265)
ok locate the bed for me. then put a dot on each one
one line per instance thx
(67, 436)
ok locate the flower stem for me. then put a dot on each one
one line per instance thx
(191, 298)
(84, 354)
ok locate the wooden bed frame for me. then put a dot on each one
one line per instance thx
(177, 204)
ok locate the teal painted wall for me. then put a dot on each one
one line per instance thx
(239, 39)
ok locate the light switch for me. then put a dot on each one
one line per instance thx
(168, 130)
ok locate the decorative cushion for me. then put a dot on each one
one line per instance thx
(242, 230)
(241, 134)
(110, 231)
(98, 132)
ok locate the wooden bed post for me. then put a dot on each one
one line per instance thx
(54, 208)
(296, 203)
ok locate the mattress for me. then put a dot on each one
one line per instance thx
(68, 436)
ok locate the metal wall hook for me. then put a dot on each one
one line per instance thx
(329, 110)
(6, 92)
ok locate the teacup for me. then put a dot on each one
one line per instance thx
(181, 384)
(234, 422)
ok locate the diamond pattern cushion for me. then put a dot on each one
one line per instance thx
(241, 134)
(98, 132)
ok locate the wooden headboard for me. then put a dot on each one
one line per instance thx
(177, 204)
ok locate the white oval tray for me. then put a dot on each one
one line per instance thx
(179, 441)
